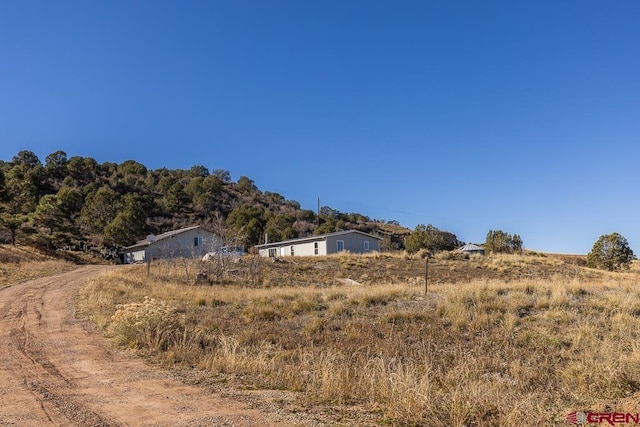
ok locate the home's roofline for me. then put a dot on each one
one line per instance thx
(146, 242)
(314, 238)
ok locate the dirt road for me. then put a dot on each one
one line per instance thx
(54, 372)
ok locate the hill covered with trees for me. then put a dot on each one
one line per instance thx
(77, 203)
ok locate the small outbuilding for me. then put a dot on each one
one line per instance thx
(353, 241)
(190, 242)
(470, 248)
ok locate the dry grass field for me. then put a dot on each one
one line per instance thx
(22, 263)
(518, 340)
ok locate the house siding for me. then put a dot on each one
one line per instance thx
(327, 244)
(352, 243)
(322, 247)
(299, 249)
(178, 246)
(303, 249)
(182, 245)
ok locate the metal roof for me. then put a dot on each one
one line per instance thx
(470, 247)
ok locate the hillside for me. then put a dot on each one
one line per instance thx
(23, 263)
(77, 203)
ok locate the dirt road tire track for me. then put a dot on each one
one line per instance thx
(54, 372)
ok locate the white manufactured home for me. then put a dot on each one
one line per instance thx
(188, 242)
(325, 244)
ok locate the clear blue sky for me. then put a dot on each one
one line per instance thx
(470, 115)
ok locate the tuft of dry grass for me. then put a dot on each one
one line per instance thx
(151, 324)
(506, 340)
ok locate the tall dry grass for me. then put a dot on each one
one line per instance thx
(480, 352)
(20, 263)
(14, 272)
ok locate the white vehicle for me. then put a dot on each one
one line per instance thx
(224, 251)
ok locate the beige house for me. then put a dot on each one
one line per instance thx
(188, 242)
(351, 240)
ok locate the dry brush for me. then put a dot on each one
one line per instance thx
(481, 349)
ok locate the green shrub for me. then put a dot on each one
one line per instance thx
(611, 252)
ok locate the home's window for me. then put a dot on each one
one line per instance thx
(315, 248)
(366, 245)
(273, 252)
(197, 241)
(340, 245)
(292, 251)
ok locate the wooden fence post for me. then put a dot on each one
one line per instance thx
(426, 274)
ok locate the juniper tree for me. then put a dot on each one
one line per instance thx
(610, 252)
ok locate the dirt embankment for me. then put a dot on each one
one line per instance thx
(54, 372)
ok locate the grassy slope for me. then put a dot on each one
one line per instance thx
(19, 263)
(504, 340)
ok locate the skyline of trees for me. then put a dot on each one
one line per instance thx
(76, 202)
